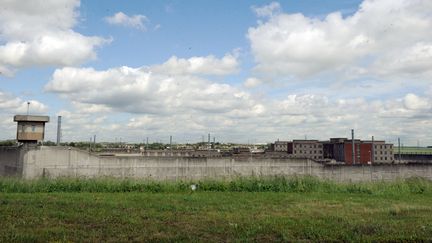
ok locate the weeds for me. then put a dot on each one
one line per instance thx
(249, 184)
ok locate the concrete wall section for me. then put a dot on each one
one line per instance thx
(55, 162)
(61, 161)
(11, 161)
(384, 172)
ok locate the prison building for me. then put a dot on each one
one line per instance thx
(281, 146)
(312, 149)
(30, 129)
(382, 152)
(365, 152)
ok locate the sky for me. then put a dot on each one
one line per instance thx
(243, 71)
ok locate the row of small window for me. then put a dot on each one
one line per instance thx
(311, 157)
(381, 152)
(308, 146)
(383, 146)
(383, 158)
(310, 151)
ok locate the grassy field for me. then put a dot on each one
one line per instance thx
(244, 210)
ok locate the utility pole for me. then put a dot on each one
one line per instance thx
(399, 150)
(170, 145)
(373, 150)
(146, 143)
(90, 144)
(353, 146)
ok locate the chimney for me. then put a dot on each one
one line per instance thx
(58, 130)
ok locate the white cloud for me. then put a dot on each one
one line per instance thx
(90, 108)
(414, 61)
(293, 44)
(169, 97)
(318, 115)
(12, 104)
(144, 90)
(208, 65)
(134, 21)
(268, 10)
(158, 104)
(252, 82)
(414, 102)
(37, 33)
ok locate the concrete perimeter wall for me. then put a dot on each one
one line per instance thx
(11, 160)
(55, 162)
(59, 161)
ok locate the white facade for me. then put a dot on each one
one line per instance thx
(312, 149)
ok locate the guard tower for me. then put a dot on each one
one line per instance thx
(31, 129)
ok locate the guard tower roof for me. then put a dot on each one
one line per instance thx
(20, 118)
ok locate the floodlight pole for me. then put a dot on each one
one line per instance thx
(28, 107)
(353, 146)
(399, 150)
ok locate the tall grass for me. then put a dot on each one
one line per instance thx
(249, 184)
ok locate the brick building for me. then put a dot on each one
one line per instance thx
(339, 149)
(365, 152)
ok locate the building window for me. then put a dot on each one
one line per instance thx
(33, 128)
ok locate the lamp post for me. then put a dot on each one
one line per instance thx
(370, 158)
(28, 107)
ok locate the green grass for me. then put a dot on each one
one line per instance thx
(242, 184)
(249, 209)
